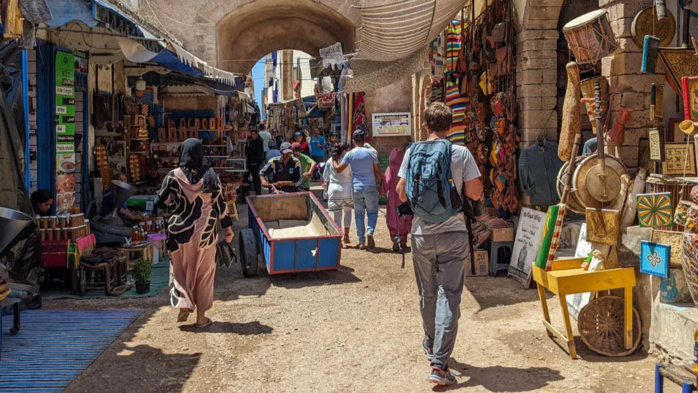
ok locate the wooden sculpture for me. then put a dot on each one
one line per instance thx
(571, 114)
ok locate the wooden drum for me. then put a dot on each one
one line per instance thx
(590, 37)
(680, 189)
(573, 204)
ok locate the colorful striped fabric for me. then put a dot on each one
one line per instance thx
(555, 242)
(53, 347)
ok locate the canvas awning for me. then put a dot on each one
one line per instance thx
(152, 48)
(396, 29)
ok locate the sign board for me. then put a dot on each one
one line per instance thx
(526, 244)
(65, 132)
(391, 124)
(332, 55)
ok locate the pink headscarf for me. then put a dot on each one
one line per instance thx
(394, 163)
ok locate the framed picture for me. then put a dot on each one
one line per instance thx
(656, 145)
(654, 259)
(680, 159)
(391, 124)
(689, 87)
(655, 210)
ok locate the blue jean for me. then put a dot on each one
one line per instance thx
(365, 201)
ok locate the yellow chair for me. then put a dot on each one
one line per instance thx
(567, 278)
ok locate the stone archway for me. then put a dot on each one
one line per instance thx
(254, 30)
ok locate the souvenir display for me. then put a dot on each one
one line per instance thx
(603, 226)
(671, 239)
(679, 63)
(655, 210)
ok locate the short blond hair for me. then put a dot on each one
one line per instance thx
(438, 117)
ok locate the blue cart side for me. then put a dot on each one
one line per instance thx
(290, 255)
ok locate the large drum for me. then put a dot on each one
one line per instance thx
(574, 205)
(590, 37)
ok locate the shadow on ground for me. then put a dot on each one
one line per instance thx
(503, 379)
(149, 369)
(498, 292)
(243, 329)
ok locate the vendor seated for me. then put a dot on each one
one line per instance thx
(41, 202)
(108, 203)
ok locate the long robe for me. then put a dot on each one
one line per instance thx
(396, 224)
(192, 235)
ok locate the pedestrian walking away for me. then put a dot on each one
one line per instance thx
(255, 160)
(284, 172)
(317, 148)
(266, 137)
(338, 187)
(197, 202)
(439, 243)
(273, 152)
(307, 166)
(398, 226)
(365, 173)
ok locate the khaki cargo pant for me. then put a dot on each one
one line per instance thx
(439, 265)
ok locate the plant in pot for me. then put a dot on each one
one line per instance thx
(141, 274)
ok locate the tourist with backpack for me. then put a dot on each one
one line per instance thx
(433, 175)
(365, 173)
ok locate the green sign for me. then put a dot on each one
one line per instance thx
(65, 103)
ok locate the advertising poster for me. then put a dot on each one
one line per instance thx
(526, 244)
(391, 124)
(65, 132)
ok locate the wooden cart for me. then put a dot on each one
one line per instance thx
(292, 233)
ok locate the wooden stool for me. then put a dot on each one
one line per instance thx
(567, 278)
(684, 378)
(107, 275)
(134, 253)
(495, 266)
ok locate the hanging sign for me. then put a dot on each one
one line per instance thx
(65, 132)
(332, 55)
(656, 145)
(526, 245)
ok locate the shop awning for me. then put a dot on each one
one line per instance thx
(396, 29)
(151, 49)
(311, 109)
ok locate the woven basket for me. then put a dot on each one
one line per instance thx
(601, 327)
(689, 260)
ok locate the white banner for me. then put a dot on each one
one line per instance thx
(332, 55)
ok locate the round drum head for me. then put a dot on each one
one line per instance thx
(603, 184)
(583, 20)
(580, 179)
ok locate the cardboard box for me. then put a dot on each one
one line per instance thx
(503, 234)
(204, 124)
(197, 124)
(482, 264)
(182, 123)
(221, 123)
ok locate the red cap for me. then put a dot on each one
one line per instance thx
(296, 146)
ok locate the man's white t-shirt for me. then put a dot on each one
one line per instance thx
(266, 137)
(463, 169)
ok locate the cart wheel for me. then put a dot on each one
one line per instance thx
(248, 253)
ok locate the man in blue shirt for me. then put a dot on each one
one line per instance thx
(365, 172)
(317, 148)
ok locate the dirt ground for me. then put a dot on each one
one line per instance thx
(354, 330)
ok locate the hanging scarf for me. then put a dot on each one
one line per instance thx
(191, 162)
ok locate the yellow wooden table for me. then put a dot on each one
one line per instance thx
(567, 278)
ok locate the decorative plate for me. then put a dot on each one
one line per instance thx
(654, 210)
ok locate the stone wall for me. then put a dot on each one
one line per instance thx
(628, 86)
(536, 68)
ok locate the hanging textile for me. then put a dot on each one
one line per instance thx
(359, 119)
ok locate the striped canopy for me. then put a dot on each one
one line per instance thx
(394, 30)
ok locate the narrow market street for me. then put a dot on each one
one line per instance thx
(354, 330)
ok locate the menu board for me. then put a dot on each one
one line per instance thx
(391, 124)
(65, 132)
(526, 244)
